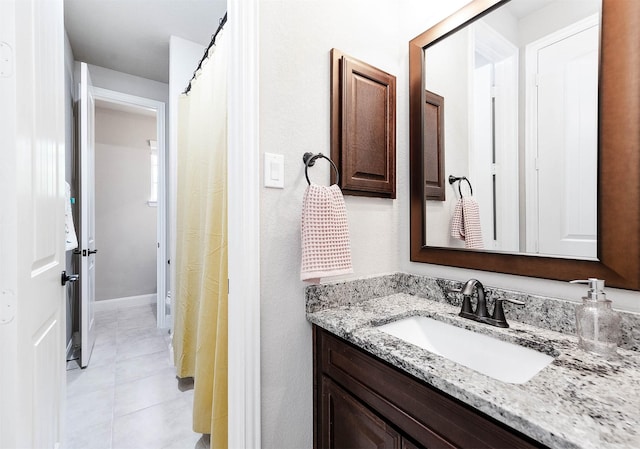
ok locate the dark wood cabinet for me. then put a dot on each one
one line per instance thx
(363, 127)
(361, 401)
(349, 424)
(433, 170)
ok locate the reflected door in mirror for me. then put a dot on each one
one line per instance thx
(521, 87)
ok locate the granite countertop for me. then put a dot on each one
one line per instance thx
(579, 401)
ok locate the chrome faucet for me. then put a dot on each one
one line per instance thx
(481, 313)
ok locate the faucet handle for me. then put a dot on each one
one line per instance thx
(466, 310)
(498, 311)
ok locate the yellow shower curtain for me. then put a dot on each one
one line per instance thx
(200, 326)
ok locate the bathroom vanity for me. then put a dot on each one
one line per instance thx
(365, 403)
(372, 389)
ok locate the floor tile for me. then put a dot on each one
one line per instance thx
(166, 425)
(146, 310)
(105, 316)
(140, 347)
(140, 322)
(141, 366)
(90, 379)
(107, 338)
(90, 409)
(147, 391)
(128, 396)
(103, 355)
(138, 333)
(94, 437)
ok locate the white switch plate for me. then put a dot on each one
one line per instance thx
(274, 170)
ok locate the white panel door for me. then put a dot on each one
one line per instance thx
(32, 257)
(567, 145)
(87, 217)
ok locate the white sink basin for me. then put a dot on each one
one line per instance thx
(499, 359)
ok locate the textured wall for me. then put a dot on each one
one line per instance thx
(295, 40)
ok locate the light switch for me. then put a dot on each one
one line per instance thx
(274, 170)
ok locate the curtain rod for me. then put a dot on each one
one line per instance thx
(206, 52)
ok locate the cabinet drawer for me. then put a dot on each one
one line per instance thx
(430, 417)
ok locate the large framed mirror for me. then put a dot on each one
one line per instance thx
(572, 212)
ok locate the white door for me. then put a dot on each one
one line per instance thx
(87, 217)
(32, 247)
(567, 145)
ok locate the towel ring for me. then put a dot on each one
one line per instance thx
(459, 179)
(309, 160)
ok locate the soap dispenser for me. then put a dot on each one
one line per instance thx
(597, 324)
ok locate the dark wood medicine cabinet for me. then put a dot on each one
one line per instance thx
(363, 127)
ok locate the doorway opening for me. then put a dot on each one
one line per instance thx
(130, 145)
(131, 214)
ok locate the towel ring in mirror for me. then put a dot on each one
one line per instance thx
(453, 179)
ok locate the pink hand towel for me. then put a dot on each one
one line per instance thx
(465, 223)
(326, 247)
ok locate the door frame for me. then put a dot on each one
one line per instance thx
(243, 163)
(158, 107)
(504, 56)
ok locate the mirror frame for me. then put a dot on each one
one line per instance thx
(618, 256)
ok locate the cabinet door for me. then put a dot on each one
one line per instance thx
(347, 424)
(406, 444)
(363, 127)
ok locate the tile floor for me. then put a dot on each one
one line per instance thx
(129, 397)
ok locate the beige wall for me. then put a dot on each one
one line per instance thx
(125, 224)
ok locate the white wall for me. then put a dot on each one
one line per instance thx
(295, 40)
(125, 224)
(453, 85)
(130, 84)
(555, 17)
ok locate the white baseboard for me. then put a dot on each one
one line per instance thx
(129, 301)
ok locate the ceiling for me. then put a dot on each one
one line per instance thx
(132, 36)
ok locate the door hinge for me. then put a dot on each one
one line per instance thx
(7, 306)
(6, 60)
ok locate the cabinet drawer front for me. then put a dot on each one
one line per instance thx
(427, 415)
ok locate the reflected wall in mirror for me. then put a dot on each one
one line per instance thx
(521, 86)
(550, 148)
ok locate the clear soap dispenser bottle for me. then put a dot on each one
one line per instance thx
(597, 324)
